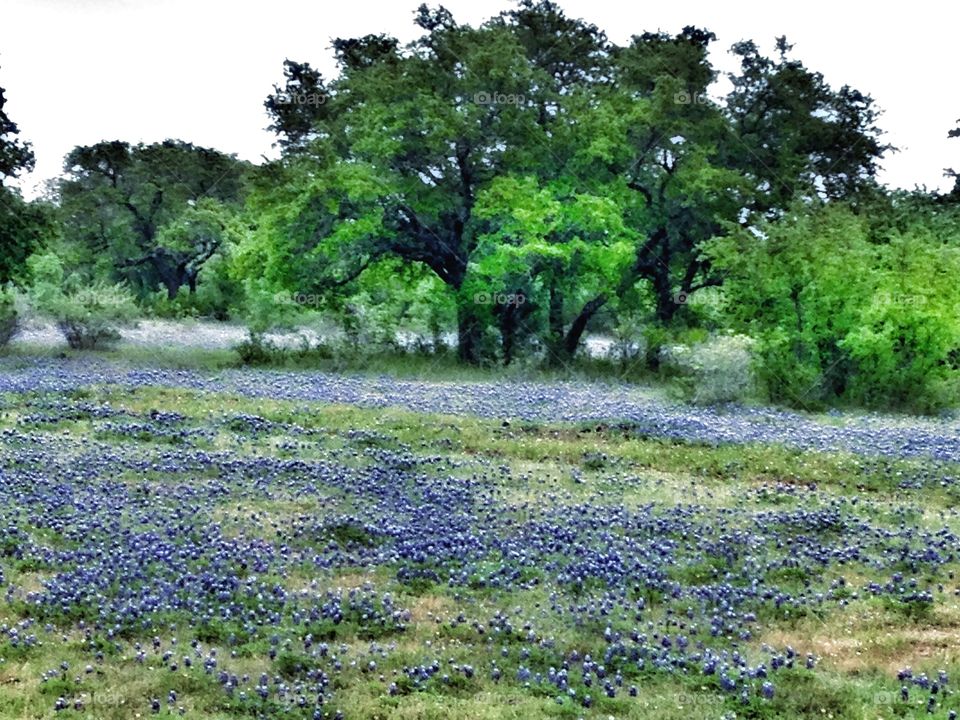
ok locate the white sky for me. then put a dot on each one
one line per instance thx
(80, 71)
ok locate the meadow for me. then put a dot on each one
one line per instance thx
(225, 543)
(539, 370)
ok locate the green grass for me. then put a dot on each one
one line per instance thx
(861, 645)
(407, 365)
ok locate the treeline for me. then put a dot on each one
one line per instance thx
(519, 185)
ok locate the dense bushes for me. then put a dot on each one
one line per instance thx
(88, 313)
(841, 311)
(905, 347)
(9, 319)
(217, 294)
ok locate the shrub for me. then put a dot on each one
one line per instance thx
(841, 311)
(9, 318)
(217, 296)
(790, 286)
(89, 318)
(630, 344)
(88, 314)
(717, 370)
(790, 370)
(258, 350)
(160, 305)
(905, 345)
(902, 358)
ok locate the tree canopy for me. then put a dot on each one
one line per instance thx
(391, 157)
(136, 210)
(23, 226)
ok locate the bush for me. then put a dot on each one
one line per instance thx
(630, 344)
(9, 318)
(905, 346)
(217, 296)
(88, 314)
(790, 286)
(181, 306)
(717, 370)
(842, 312)
(791, 371)
(89, 318)
(258, 350)
(902, 358)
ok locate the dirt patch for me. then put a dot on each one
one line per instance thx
(876, 642)
(428, 607)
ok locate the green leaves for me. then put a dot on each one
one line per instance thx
(15, 156)
(117, 199)
(88, 312)
(841, 311)
(531, 156)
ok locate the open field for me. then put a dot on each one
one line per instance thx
(234, 543)
(478, 361)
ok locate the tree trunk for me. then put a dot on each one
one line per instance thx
(572, 340)
(172, 286)
(666, 303)
(512, 317)
(170, 277)
(508, 331)
(468, 334)
(555, 352)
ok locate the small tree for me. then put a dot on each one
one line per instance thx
(9, 319)
(88, 314)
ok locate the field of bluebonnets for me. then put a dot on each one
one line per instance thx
(263, 543)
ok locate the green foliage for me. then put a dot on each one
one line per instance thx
(181, 306)
(531, 157)
(797, 136)
(393, 162)
(840, 312)
(149, 214)
(25, 227)
(905, 348)
(718, 370)
(218, 294)
(9, 319)
(393, 301)
(553, 247)
(263, 309)
(523, 183)
(256, 350)
(88, 313)
(15, 156)
(791, 288)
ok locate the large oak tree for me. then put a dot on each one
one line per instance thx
(117, 198)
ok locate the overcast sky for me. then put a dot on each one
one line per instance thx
(80, 71)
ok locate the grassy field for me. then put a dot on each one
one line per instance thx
(169, 552)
